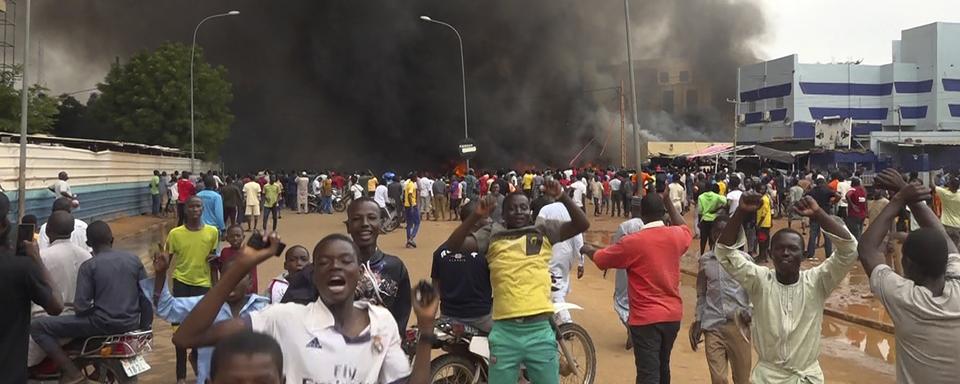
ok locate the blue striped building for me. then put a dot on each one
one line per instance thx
(896, 108)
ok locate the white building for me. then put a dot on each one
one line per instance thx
(914, 99)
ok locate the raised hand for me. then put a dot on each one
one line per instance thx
(890, 180)
(251, 256)
(912, 193)
(486, 206)
(552, 188)
(161, 263)
(807, 206)
(749, 202)
(426, 300)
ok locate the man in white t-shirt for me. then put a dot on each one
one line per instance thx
(79, 235)
(355, 342)
(251, 193)
(425, 187)
(924, 303)
(579, 191)
(843, 186)
(733, 193)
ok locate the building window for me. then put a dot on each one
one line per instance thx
(667, 101)
(692, 99)
(664, 77)
(684, 76)
(753, 106)
(780, 102)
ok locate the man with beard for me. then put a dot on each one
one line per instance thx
(384, 279)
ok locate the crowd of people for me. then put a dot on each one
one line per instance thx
(346, 302)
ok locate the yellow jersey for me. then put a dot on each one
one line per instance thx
(519, 262)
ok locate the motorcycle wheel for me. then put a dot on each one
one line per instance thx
(452, 369)
(584, 355)
(111, 371)
(340, 205)
(391, 224)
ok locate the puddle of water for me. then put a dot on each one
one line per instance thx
(871, 342)
(144, 244)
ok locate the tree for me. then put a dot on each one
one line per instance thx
(147, 100)
(72, 119)
(41, 108)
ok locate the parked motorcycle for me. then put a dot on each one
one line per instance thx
(102, 359)
(391, 220)
(467, 357)
(341, 200)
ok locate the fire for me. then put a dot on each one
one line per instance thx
(460, 169)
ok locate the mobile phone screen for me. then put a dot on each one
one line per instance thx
(24, 233)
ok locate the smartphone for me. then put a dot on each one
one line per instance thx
(256, 242)
(24, 234)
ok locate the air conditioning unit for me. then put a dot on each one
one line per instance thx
(740, 118)
(766, 117)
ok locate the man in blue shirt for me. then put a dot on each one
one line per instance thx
(212, 205)
(176, 309)
(107, 301)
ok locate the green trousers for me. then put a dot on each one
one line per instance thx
(530, 345)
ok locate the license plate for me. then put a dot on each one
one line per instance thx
(135, 366)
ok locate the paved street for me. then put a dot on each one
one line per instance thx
(844, 357)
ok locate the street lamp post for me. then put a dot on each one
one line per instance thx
(193, 46)
(24, 93)
(463, 72)
(639, 149)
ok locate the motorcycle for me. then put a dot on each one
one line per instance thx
(314, 202)
(391, 220)
(341, 200)
(467, 357)
(102, 359)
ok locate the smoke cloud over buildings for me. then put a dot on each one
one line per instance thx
(366, 84)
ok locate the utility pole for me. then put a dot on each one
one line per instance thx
(639, 151)
(623, 145)
(24, 92)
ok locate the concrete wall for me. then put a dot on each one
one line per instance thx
(109, 184)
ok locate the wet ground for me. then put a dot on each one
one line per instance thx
(851, 353)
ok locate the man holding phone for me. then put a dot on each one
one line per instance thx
(24, 281)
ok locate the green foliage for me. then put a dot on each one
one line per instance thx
(147, 100)
(41, 108)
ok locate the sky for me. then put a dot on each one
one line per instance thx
(840, 30)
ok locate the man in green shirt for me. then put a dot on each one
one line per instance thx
(708, 204)
(191, 247)
(155, 193)
(271, 197)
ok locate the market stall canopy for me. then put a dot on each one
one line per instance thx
(778, 155)
(712, 150)
(719, 150)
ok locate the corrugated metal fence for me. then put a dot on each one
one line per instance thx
(109, 184)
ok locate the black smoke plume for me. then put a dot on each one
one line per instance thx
(366, 84)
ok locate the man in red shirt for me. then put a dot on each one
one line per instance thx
(856, 207)
(652, 260)
(186, 190)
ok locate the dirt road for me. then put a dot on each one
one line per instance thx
(846, 357)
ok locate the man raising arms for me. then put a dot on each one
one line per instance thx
(788, 303)
(924, 303)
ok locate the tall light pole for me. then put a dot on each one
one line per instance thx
(639, 151)
(193, 46)
(463, 72)
(24, 93)
(736, 123)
